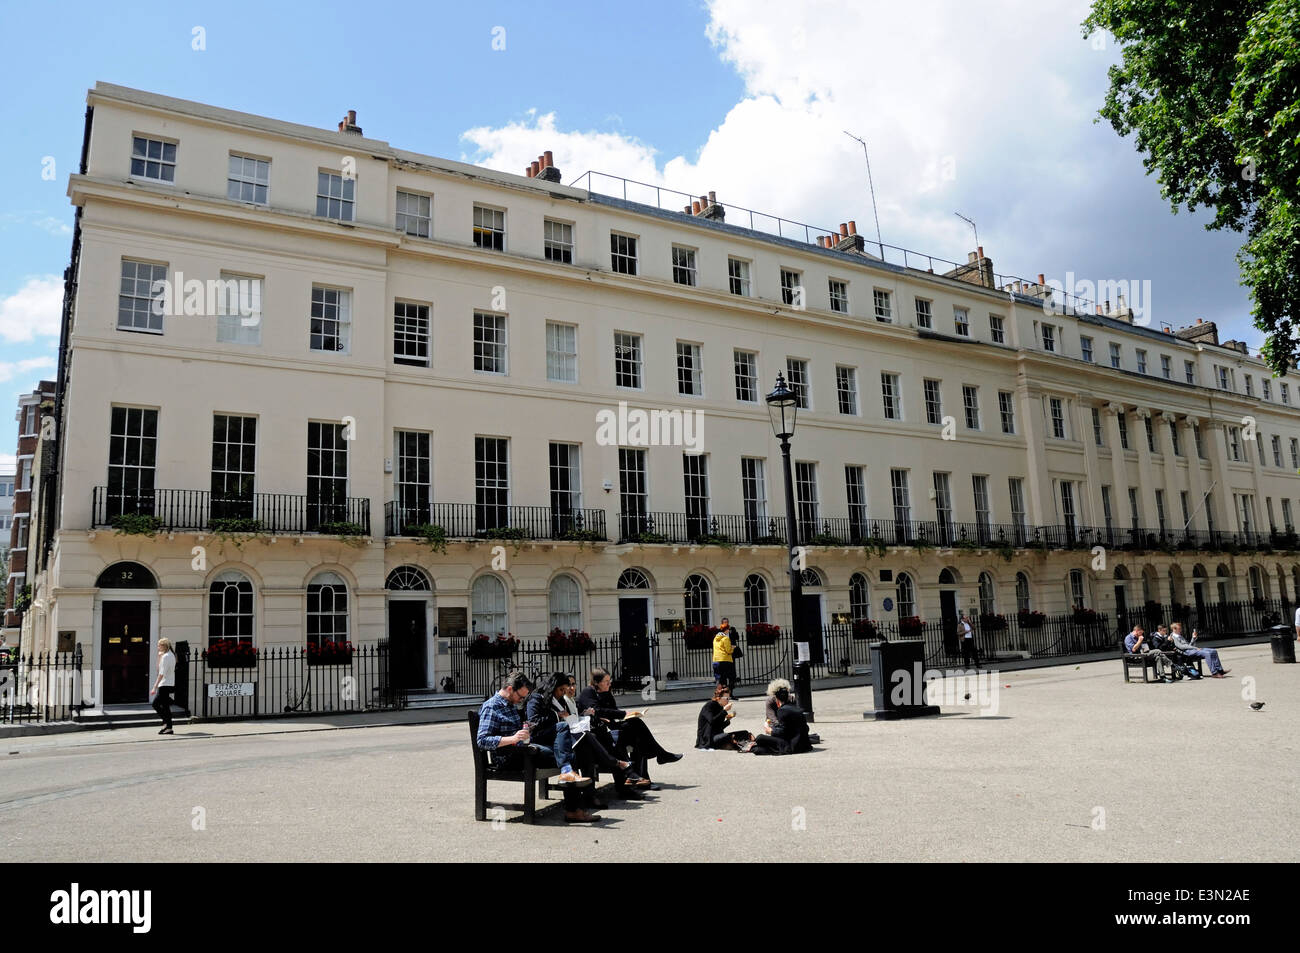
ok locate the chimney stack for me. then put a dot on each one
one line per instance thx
(349, 123)
(545, 167)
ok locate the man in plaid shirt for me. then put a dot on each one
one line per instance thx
(501, 731)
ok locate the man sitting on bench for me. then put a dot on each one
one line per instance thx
(1189, 647)
(1135, 642)
(501, 731)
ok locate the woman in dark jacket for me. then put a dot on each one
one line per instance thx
(626, 732)
(547, 708)
(715, 716)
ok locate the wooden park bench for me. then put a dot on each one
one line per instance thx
(1143, 660)
(533, 778)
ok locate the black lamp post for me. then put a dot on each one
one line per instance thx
(782, 409)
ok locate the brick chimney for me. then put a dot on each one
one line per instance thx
(349, 123)
(1202, 332)
(848, 239)
(978, 270)
(543, 168)
(706, 206)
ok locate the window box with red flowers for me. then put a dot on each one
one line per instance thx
(864, 630)
(992, 622)
(231, 653)
(572, 642)
(762, 633)
(1028, 619)
(911, 628)
(329, 653)
(1084, 616)
(699, 636)
(484, 646)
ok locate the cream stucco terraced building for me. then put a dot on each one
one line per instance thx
(434, 344)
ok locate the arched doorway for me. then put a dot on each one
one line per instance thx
(1121, 597)
(410, 621)
(813, 607)
(126, 618)
(1199, 582)
(635, 592)
(948, 610)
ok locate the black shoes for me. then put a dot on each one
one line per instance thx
(166, 731)
(668, 758)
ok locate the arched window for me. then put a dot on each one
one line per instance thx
(699, 601)
(566, 604)
(1022, 592)
(946, 578)
(489, 607)
(756, 601)
(408, 579)
(126, 576)
(859, 597)
(1281, 585)
(811, 579)
(906, 596)
(633, 579)
(230, 608)
(1078, 591)
(988, 596)
(327, 609)
(1175, 585)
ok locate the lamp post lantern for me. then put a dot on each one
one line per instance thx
(782, 410)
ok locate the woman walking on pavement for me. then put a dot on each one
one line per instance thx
(165, 686)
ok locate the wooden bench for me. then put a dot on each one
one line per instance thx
(533, 778)
(1143, 660)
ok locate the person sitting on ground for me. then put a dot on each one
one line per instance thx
(631, 735)
(1189, 647)
(789, 735)
(501, 732)
(769, 705)
(715, 717)
(1136, 643)
(724, 656)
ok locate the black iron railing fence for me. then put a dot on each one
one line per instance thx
(681, 656)
(292, 679)
(202, 511)
(278, 680)
(490, 521)
(278, 513)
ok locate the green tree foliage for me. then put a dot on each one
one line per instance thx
(1211, 92)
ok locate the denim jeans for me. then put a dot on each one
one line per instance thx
(1210, 655)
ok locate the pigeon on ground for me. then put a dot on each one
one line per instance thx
(1256, 706)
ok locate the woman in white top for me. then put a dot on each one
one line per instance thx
(165, 686)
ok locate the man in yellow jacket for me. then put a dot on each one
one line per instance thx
(724, 665)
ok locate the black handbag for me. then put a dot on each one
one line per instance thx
(737, 652)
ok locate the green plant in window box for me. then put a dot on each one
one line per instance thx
(23, 599)
(649, 538)
(714, 539)
(825, 539)
(875, 544)
(434, 536)
(236, 529)
(136, 524)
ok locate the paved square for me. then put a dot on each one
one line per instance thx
(1075, 765)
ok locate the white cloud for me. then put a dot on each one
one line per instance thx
(33, 310)
(8, 463)
(37, 219)
(986, 109)
(14, 369)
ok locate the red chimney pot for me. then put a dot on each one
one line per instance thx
(550, 158)
(695, 206)
(853, 228)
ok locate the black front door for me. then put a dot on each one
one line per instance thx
(407, 643)
(124, 652)
(948, 610)
(633, 633)
(812, 627)
(1121, 608)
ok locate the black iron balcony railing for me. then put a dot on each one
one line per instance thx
(492, 521)
(201, 511)
(699, 528)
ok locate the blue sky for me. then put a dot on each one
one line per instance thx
(985, 111)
